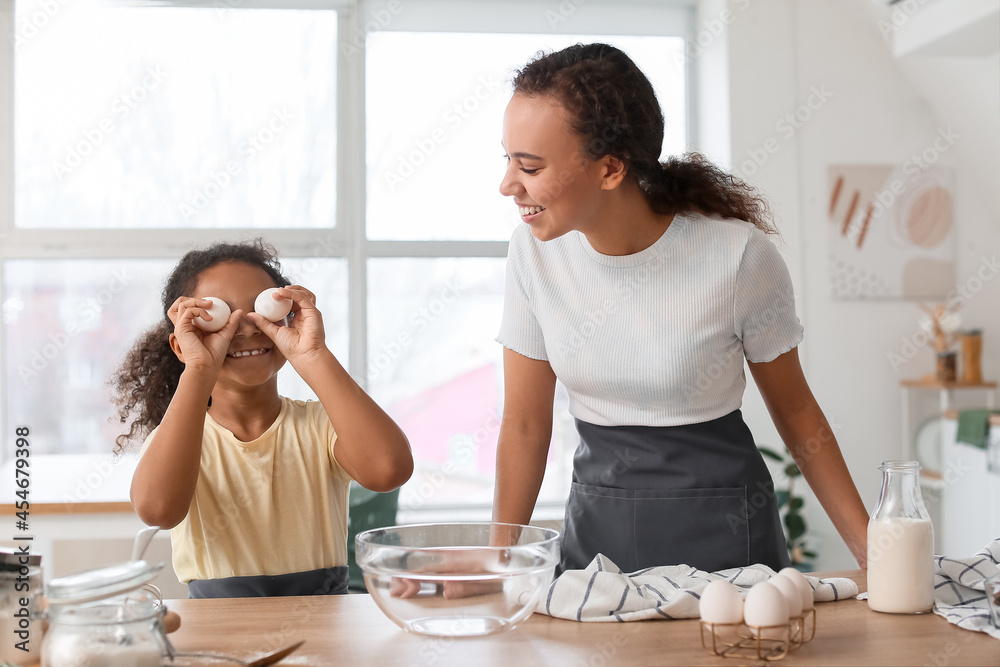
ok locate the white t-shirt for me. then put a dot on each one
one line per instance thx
(656, 338)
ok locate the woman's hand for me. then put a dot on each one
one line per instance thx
(199, 349)
(304, 336)
(469, 562)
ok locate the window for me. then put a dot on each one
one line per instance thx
(143, 129)
(175, 117)
(433, 175)
(140, 130)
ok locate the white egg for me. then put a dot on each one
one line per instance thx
(269, 307)
(219, 310)
(803, 584)
(766, 605)
(721, 602)
(791, 592)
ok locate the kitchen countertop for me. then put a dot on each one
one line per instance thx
(351, 630)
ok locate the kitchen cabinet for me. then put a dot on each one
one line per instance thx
(926, 443)
(946, 398)
(970, 491)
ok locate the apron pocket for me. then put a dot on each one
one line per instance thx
(703, 528)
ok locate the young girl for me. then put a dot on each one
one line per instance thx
(253, 484)
(643, 287)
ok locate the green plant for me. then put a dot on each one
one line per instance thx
(795, 523)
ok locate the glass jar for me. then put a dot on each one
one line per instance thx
(900, 544)
(947, 366)
(105, 618)
(20, 589)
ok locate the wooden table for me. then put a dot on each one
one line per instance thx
(352, 631)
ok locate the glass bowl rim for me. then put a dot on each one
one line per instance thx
(551, 535)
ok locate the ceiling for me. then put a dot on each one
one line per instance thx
(949, 51)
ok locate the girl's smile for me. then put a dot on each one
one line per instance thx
(244, 354)
(252, 359)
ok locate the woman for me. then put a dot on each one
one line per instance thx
(642, 286)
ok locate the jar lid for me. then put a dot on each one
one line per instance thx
(11, 559)
(101, 583)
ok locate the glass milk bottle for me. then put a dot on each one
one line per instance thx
(900, 544)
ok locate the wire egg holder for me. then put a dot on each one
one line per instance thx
(764, 642)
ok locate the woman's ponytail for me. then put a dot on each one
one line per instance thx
(690, 183)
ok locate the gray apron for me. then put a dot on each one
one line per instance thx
(324, 581)
(697, 494)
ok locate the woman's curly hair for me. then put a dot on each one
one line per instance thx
(145, 382)
(615, 112)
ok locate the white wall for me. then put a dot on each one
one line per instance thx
(77, 542)
(778, 52)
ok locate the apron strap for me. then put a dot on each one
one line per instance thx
(324, 581)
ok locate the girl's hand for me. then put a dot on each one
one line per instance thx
(200, 349)
(304, 336)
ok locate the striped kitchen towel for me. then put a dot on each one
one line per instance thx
(960, 588)
(602, 592)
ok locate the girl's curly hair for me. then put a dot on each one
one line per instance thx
(146, 380)
(615, 112)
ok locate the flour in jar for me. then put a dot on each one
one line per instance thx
(101, 655)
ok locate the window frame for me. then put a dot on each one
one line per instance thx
(347, 239)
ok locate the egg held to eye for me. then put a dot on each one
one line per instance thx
(271, 309)
(219, 310)
(721, 603)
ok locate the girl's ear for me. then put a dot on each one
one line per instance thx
(614, 171)
(176, 347)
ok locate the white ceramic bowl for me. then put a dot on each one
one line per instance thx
(457, 579)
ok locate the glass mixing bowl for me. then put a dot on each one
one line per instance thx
(458, 579)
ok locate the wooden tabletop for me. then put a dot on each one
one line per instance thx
(351, 630)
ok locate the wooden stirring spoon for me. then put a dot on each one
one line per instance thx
(269, 659)
(272, 658)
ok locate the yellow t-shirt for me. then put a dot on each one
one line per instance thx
(275, 505)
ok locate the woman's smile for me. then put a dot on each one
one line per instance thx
(529, 213)
(554, 186)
